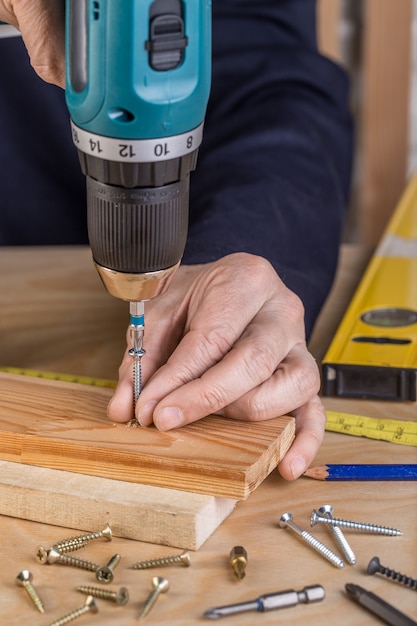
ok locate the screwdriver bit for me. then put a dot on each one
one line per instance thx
(270, 602)
(238, 560)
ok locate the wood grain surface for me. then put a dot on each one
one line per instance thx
(64, 426)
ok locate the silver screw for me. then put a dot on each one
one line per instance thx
(366, 528)
(375, 566)
(106, 533)
(327, 510)
(180, 559)
(105, 574)
(24, 579)
(54, 556)
(120, 597)
(89, 606)
(286, 521)
(160, 585)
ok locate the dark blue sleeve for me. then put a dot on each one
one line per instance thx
(42, 189)
(273, 172)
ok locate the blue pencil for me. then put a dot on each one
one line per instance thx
(363, 472)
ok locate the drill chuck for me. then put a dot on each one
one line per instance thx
(137, 236)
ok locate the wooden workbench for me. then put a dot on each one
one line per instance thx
(55, 315)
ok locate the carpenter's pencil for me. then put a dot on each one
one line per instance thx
(363, 472)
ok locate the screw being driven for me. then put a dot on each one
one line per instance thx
(54, 556)
(180, 559)
(327, 510)
(120, 597)
(363, 527)
(24, 579)
(160, 585)
(105, 574)
(89, 606)
(375, 566)
(286, 521)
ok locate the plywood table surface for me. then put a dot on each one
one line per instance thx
(277, 560)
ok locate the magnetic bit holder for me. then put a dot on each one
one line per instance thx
(270, 602)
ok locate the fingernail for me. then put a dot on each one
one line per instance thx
(145, 413)
(297, 466)
(169, 417)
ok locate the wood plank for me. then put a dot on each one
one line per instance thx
(329, 15)
(152, 514)
(64, 426)
(384, 117)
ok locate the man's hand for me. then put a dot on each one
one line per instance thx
(42, 24)
(227, 338)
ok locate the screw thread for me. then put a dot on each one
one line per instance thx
(84, 539)
(181, 559)
(322, 549)
(327, 511)
(362, 526)
(89, 606)
(160, 585)
(375, 566)
(32, 593)
(344, 545)
(120, 597)
(71, 561)
(69, 545)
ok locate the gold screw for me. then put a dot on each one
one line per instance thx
(23, 579)
(75, 543)
(160, 585)
(120, 597)
(105, 574)
(238, 560)
(106, 533)
(54, 556)
(180, 559)
(90, 605)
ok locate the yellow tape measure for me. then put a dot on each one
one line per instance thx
(395, 431)
(67, 378)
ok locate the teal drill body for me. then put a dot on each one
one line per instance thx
(137, 86)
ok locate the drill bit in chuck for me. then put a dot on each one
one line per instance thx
(136, 329)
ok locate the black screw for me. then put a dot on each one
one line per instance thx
(375, 566)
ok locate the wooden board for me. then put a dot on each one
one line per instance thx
(152, 514)
(64, 426)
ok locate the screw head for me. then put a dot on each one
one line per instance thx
(107, 532)
(160, 583)
(91, 604)
(52, 555)
(314, 519)
(285, 517)
(373, 565)
(42, 555)
(326, 509)
(122, 596)
(23, 577)
(185, 558)
(104, 574)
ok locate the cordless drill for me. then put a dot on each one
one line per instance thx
(137, 85)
